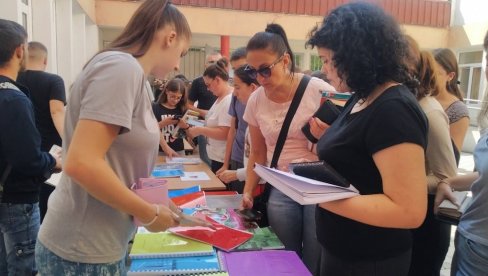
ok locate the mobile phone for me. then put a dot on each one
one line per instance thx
(177, 117)
(249, 214)
(327, 113)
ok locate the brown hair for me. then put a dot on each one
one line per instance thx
(447, 60)
(218, 69)
(176, 85)
(152, 15)
(427, 76)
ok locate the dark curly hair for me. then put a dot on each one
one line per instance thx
(369, 47)
(218, 69)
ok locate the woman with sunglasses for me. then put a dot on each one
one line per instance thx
(217, 120)
(270, 61)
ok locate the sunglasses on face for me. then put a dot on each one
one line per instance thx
(264, 72)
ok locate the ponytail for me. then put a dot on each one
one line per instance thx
(218, 69)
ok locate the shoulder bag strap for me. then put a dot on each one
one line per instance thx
(284, 129)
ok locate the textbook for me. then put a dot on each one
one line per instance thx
(184, 160)
(222, 237)
(167, 170)
(263, 239)
(304, 190)
(263, 263)
(166, 244)
(320, 171)
(226, 216)
(224, 201)
(451, 213)
(196, 199)
(182, 192)
(190, 117)
(175, 265)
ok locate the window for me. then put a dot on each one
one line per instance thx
(26, 2)
(315, 63)
(298, 59)
(470, 76)
(24, 20)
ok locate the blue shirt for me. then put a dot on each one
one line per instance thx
(236, 110)
(474, 222)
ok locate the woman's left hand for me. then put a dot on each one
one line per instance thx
(227, 176)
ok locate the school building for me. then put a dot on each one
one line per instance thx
(74, 30)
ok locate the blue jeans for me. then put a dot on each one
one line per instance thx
(19, 225)
(202, 149)
(294, 224)
(470, 258)
(51, 264)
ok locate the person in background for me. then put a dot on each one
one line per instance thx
(48, 96)
(471, 240)
(235, 139)
(244, 86)
(431, 239)
(377, 143)
(23, 165)
(205, 99)
(217, 120)
(169, 109)
(451, 98)
(111, 141)
(270, 62)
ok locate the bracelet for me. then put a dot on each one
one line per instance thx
(155, 217)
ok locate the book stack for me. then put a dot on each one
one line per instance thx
(168, 254)
(450, 212)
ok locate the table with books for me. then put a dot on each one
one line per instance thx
(235, 247)
(197, 172)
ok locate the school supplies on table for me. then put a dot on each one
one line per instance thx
(194, 176)
(262, 239)
(152, 190)
(304, 190)
(175, 265)
(182, 192)
(192, 200)
(167, 170)
(222, 237)
(184, 160)
(166, 244)
(263, 263)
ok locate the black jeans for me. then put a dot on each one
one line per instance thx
(334, 266)
(236, 185)
(430, 244)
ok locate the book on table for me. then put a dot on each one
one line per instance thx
(175, 265)
(263, 263)
(304, 190)
(167, 170)
(166, 244)
(262, 239)
(192, 200)
(450, 212)
(185, 191)
(222, 237)
(152, 190)
(184, 160)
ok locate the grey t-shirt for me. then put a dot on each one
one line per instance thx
(78, 227)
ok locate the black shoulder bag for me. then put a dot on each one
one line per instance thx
(261, 201)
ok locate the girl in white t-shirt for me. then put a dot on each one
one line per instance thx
(217, 120)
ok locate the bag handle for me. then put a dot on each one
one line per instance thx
(284, 129)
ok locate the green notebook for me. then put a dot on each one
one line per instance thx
(263, 239)
(165, 244)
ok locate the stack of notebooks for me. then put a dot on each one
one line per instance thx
(451, 213)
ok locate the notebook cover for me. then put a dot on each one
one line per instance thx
(192, 200)
(182, 192)
(320, 171)
(263, 239)
(263, 263)
(222, 237)
(151, 190)
(175, 265)
(226, 216)
(165, 244)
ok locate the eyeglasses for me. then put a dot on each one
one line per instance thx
(265, 72)
(207, 84)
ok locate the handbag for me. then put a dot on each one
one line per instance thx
(260, 202)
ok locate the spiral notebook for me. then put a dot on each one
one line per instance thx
(175, 265)
(165, 244)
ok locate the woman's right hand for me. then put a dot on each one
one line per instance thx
(317, 127)
(167, 121)
(247, 201)
(165, 219)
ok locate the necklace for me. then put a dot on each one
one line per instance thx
(279, 116)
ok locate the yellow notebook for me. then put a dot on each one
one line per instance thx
(165, 244)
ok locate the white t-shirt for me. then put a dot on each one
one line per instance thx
(268, 116)
(218, 116)
(78, 227)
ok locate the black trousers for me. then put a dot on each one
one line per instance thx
(44, 194)
(394, 266)
(236, 185)
(430, 244)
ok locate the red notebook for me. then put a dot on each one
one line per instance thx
(192, 200)
(223, 237)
